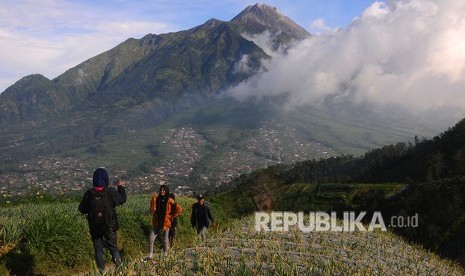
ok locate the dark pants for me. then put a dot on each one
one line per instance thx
(110, 241)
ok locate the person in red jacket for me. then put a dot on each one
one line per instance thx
(164, 210)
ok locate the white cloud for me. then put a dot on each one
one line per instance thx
(20, 52)
(242, 66)
(265, 41)
(319, 26)
(376, 10)
(407, 52)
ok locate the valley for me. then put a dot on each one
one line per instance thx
(185, 158)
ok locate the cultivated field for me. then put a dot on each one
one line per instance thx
(52, 239)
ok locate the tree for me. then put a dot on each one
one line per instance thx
(435, 167)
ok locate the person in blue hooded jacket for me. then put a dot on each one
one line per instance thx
(103, 231)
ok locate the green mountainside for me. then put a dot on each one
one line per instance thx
(156, 110)
(32, 97)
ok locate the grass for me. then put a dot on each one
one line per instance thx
(53, 239)
(49, 236)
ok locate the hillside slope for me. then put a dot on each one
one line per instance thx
(38, 238)
(239, 250)
(431, 172)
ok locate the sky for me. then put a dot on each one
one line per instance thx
(49, 37)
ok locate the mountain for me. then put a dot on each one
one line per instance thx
(260, 18)
(32, 96)
(156, 109)
(155, 67)
(202, 61)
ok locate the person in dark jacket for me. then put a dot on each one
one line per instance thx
(201, 217)
(106, 235)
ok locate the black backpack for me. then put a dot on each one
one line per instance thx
(101, 214)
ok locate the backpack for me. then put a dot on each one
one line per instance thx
(101, 214)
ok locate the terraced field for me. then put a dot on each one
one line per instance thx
(240, 250)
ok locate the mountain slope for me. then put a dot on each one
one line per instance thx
(90, 76)
(30, 97)
(200, 62)
(116, 110)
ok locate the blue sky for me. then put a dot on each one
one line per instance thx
(50, 36)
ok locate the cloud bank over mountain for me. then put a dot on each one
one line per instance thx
(403, 52)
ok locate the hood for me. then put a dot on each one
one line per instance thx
(100, 178)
